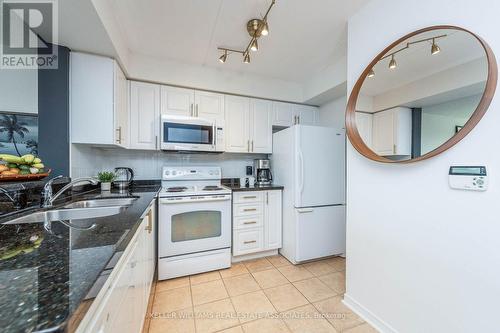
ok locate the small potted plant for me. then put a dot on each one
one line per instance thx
(106, 177)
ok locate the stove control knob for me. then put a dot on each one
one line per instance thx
(174, 173)
(167, 173)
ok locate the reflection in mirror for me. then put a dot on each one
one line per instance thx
(421, 93)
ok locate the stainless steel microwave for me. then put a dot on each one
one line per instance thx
(191, 134)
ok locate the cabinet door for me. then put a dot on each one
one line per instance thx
(383, 132)
(209, 106)
(273, 220)
(306, 114)
(364, 123)
(261, 127)
(144, 115)
(283, 114)
(237, 124)
(92, 94)
(121, 116)
(177, 101)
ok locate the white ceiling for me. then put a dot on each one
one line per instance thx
(304, 38)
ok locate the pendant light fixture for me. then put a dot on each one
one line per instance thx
(435, 48)
(371, 73)
(256, 28)
(393, 64)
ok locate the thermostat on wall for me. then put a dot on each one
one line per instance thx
(472, 178)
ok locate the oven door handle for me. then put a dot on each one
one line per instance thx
(195, 199)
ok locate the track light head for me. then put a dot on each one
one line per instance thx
(264, 31)
(393, 64)
(371, 73)
(435, 48)
(254, 46)
(246, 58)
(223, 57)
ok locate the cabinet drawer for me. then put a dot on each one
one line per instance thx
(248, 222)
(247, 210)
(248, 241)
(248, 197)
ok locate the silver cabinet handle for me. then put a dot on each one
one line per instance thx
(250, 209)
(251, 222)
(248, 145)
(250, 197)
(250, 242)
(298, 119)
(191, 110)
(196, 113)
(394, 148)
(267, 198)
(156, 142)
(252, 145)
(119, 130)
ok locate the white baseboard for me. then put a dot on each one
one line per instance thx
(367, 315)
(254, 256)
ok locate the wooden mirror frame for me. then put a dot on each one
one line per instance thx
(484, 103)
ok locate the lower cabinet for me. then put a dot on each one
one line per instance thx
(121, 306)
(257, 221)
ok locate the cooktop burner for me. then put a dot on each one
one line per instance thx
(177, 189)
(212, 188)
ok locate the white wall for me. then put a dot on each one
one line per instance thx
(332, 114)
(19, 90)
(420, 256)
(88, 161)
(439, 121)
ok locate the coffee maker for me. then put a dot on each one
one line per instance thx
(262, 172)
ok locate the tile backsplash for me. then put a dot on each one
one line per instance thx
(88, 161)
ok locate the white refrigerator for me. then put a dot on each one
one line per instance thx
(309, 161)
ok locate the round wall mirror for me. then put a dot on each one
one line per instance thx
(421, 95)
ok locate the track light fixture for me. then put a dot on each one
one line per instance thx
(256, 28)
(223, 57)
(393, 64)
(435, 48)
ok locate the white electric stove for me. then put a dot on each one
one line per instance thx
(194, 226)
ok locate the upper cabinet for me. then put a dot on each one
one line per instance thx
(99, 100)
(288, 114)
(144, 115)
(248, 125)
(192, 103)
(392, 132)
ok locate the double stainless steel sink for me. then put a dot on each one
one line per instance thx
(85, 209)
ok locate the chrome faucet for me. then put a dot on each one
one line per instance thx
(48, 198)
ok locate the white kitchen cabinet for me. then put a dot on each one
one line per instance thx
(306, 114)
(288, 114)
(392, 132)
(237, 125)
(248, 125)
(122, 302)
(192, 103)
(99, 101)
(261, 126)
(273, 219)
(144, 115)
(257, 221)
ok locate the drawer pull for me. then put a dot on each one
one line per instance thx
(250, 209)
(250, 242)
(250, 197)
(251, 222)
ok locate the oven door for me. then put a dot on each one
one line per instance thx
(194, 224)
(187, 134)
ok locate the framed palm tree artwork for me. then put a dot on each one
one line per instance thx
(18, 133)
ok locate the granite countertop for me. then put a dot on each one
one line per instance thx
(43, 285)
(234, 185)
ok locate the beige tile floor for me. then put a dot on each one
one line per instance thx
(262, 295)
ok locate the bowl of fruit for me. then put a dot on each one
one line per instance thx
(18, 168)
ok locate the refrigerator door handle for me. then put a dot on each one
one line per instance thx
(305, 210)
(301, 184)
